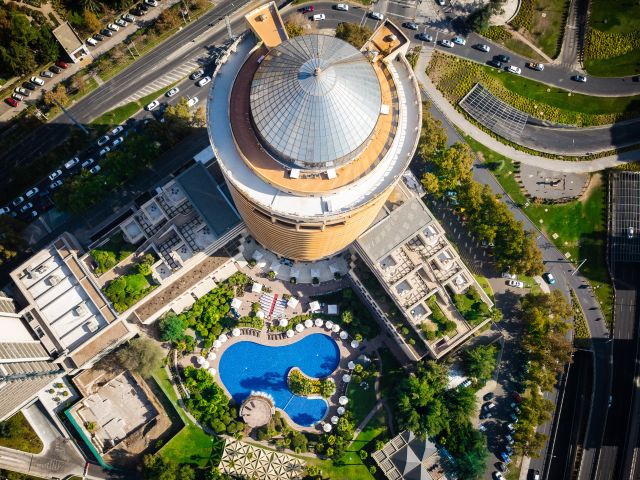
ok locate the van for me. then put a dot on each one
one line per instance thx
(319, 16)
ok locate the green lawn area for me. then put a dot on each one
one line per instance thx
(361, 401)
(392, 372)
(620, 66)
(109, 254)
(621, 16)
(580, 225)
(522, 48)
(484, 283)
(350, 466)
(455, 77)
(542, 22)
(17, 433)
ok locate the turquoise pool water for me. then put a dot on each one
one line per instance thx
(247, 366)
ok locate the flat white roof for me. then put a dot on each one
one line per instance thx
(63, 303)
(347, 198)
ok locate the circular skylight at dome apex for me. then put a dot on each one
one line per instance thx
(315, 101)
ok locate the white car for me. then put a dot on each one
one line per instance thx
(343, 7)
(30, 193)
(482, 427)
(447, 43)
(630, 232)
(515, 283)
(113, 27)
(376, 16)
(95, 169)
(203, 81)
(56, 184)
(172, 92)
(102, 140)
(71, 163)
(92, 42)
(152, 106)
(120, 22)
(116, 130)
(117, 142)
(515, 70)
(4, 210)
(318, 17)
(55, 174)
(459, 40)
(497, 476)
(197, 74)
(153, 3)
(17, 201)
(104, 151)
(441, 3)
(511, 428)
(509, 276)
(26, 207)
(192, 101)
(37, 80)
(87, 163)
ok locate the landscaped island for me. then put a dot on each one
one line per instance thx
(302, 385)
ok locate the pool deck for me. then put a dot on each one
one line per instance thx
(262, 337)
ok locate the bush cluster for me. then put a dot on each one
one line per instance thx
(126, 290)
(304, 386)
(333, 444)
(601, 44)
(524, 18)
(281, 435)
(111, 253)
(443, 325)
(580, 328)
(497, 33)
(471, 306)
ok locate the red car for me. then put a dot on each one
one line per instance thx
(516, 396)
(307, 9)
(62, 64)
(11, 101)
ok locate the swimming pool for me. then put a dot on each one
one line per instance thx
(247, 366)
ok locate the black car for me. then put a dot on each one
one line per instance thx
(488, 396)
(98, 37)
(425, 37)
(136, 11)
(501, 466)
(106, 32)
(410, 25)
(502, 58)
(495, 63)
(144, 7)
(29, 85)
(55, 69)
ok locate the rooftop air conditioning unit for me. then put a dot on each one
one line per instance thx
(92, 325)
(81, 309)
(54, 280)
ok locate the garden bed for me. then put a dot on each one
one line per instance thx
(543, 23)
(111, 253)
(471, 306)
(17, 433)
(443, 325)
(304, 386)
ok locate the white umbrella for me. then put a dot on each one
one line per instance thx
(290, 333)
(308, 323)
(217, 344)
(212, 371)
(223, 338)
(206, 364)
(355, 343)
(343, 400)
(334, 419)
(212, 356)
(341, 410)
(329, 325)
(343, 335)
(326, 427)
(260, 314)
(346, 378)
(235, 332)
(319, 322)
(283, 322)
(299, 327)
(200, 360)
(335, 328)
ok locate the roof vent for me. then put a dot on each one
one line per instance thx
(81, 309)
(53, 280)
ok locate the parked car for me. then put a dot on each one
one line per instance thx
(511, 428)
(534, 474)
(504, 457)
(488, 396)
(459, 41)
(508, 275)
(104, 151)
(318, 17)
(92, 41)
(87, 163)
(549, 278)
(117, 142)
(31, 192)
(172, 92)
(102, 140)
(30, 86)
(106, 32)
(192, 101)
(509, 439)
(113, 27)
(120, 22)
(54, 175)
(153, 105)
(343, 7)
(55, 69)
(116, 130)
(482, 427)
(36, 80)
(488, 406)
(56, 184)
(71, 163)
(22, 91)
(307, 9)
(501, 467)
(17, 201)
(127, 18)
(630, 232)
(203, 81)
(62, 64)
(98, 37)
(410, 25)
(46, 74)
(144, 7)
(376, 15)
(498, 476)
(95, 169)
(535, 66)
(152, 3)
(197, 74)
(502, 58)
(447, 43)
(515, 283)
(4, 210)
(425, 37)
(11, 101)
(17, 97)
(485, 415)
(482, 47)
(513, 69)
(580, 78)
(26, 207)
(440, 2)
(513, 417)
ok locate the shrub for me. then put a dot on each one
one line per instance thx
(498, 33)
(305, 386)
(271, 275)
(601, 44)
(315, 281)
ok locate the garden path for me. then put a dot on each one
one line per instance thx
(529, 43)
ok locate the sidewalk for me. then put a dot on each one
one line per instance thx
(477, 134)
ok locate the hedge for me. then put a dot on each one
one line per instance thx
(601, 44)
(524, 18)
(497, 33)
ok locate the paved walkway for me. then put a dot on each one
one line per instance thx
(477, 134)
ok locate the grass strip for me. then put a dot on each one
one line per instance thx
(580, 328)
(121, 114)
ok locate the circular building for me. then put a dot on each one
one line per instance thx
(257, 410)
(312, 134)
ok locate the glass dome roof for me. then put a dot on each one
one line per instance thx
(315, 100)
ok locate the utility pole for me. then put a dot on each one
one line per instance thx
(578, 267)
(66, 112)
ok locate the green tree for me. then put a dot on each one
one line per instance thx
(354, 34)
(431, 184)
(481, 362)
(142, 356)
(171, 328)
(90, 21)
(433, 136)
(293, 29)
(10, 240)
(478, 21)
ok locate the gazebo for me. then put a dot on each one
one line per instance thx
(343, 400)
(223, 337)
(212, 355)
(235, 332)
(283, 322)
(346, 378)
(260, 314)
(343, 335)
(328, 325)
(318, 322)
(326, 427)
(341, 410)
(351, 365)
(355, 343)
(212, 371)
(335, 328)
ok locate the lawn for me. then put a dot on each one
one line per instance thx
(580, 225)
(109, 254)
(361, 401)
(455, 77)
(484, 284)
(621, 16)
(350, 466)
(542, 22)
(17, 433)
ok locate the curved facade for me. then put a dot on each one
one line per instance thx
(312, 136)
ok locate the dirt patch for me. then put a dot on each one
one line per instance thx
(594, 182)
